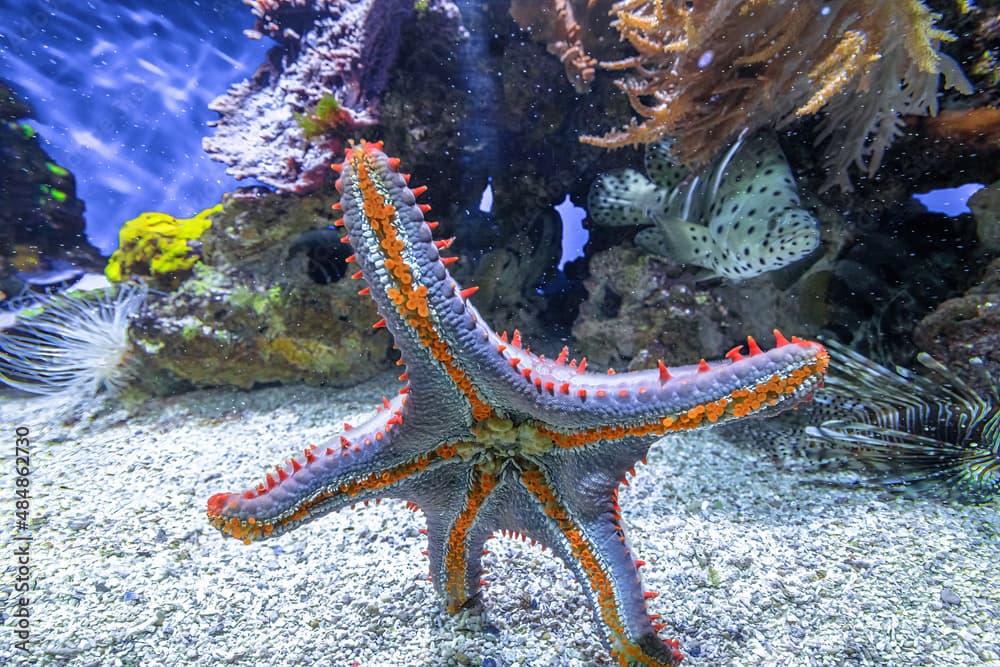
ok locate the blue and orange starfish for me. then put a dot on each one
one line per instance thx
(488, 437)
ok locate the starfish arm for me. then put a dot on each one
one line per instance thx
(653, 403)
(456, 535)
(421, 305)
(582, 525)
(374, 459)
(440, 333)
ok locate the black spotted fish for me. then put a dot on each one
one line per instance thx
(739, 218)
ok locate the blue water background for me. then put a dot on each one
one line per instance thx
(121, 92)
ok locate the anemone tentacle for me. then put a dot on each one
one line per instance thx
(75, 347)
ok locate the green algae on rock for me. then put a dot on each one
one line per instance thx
(41, 218)
(269, 302)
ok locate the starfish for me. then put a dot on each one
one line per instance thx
(486, 437)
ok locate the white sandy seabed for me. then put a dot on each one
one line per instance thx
(755, 565)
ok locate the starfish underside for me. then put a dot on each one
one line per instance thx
(488, 437)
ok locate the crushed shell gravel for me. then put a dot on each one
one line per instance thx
(754, 564)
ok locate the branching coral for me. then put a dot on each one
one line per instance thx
(358, 40)
(338, 49)
(707, 69)
(930, 430)
(158, 246)
(75, 347)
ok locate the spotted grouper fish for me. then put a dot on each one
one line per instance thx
(739, 218)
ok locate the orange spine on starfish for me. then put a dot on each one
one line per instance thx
(253, 528)
(457, 558)
(739, 402)
(623, 647)
(380, 213)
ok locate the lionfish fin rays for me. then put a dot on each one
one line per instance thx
(897, 457)
(863, 382)
(954, 385)
(881, 388)
(929, 430)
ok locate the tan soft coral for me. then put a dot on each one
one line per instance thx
(567, 27)
(706, 69)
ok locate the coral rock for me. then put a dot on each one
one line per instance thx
(158, 247)
(641, 307)
(327, 48)
(41, 218)
(270, 302)
(637, 313)
(965, 327)
(985, 206)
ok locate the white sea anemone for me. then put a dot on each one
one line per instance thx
(75, 347)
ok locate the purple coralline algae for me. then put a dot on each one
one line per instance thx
(343, 49)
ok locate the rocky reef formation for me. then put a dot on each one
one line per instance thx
(967, 328)
(495, 95)
(636, 313)
(266, 303)
(985, 207)
(894, 272)
(470, 99)
(41, 218)
(334, 50)
(438, 101)
(640, 307)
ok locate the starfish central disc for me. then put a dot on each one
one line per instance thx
(499, 439)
